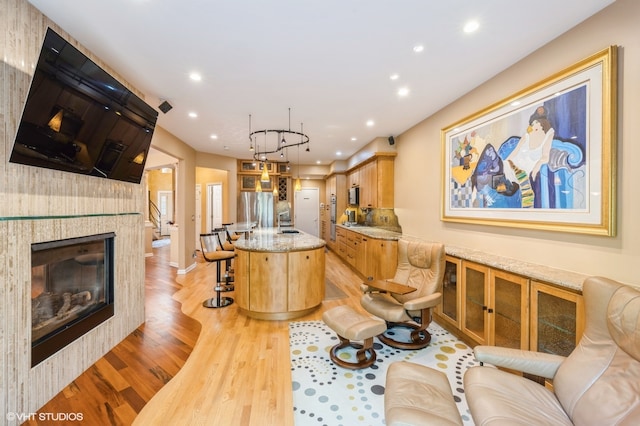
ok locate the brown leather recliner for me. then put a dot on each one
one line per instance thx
(420, 265)
(597, 384)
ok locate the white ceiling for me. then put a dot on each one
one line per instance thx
(329, 61)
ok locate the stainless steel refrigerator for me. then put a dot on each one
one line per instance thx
(256, 207)
(332, 225)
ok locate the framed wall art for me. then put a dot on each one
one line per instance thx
(543, 158)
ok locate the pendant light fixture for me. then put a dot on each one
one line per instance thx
(298, 186)
(281, 145)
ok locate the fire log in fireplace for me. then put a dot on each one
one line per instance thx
(71, 291)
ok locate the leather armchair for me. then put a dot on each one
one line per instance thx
(597, 384)
(421, 266)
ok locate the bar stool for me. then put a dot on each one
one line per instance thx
(209, 244)
(226, 244)
(232, 237)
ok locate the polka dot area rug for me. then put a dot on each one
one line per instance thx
(325, 394)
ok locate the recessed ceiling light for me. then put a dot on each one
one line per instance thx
(394, 77)
(195, 76)
(403, 91)
(370, 123)
(418, 48)
(471, 26)
(353, 138)
(214, 136)
(338, 153)
(318, 162)
(515, 103)
(193, 115)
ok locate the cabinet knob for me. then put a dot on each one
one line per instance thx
(307, 257)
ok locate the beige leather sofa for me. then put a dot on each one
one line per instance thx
(597, 384)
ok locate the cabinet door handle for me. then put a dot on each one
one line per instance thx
(490, 310)
(484, 308)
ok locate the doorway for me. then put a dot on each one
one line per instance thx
(307, 208)
(214, 206)
(198, 214)
(165, 205)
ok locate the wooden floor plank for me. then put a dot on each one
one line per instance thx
(192, 365)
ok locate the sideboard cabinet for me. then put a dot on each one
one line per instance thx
(489, 306)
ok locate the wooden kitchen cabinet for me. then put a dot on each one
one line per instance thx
(382, 258)
(341, 242)
(351, 247)
(557, 319)
(509, 323)
(369, 184)
(370, 257)
(361, 247)
(305, 268)
(475, 298)
(279, 285)
(376, 183)
(268, 282)
(449, 309)
(353, 178)
(495, 306)
(375, 179)
(486, 305)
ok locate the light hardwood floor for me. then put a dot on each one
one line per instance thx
(237, 371)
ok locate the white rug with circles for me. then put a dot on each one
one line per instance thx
(325, 394)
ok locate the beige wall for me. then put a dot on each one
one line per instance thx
(418, 167)
(44, 205)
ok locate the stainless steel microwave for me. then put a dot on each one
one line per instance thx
(354, 196)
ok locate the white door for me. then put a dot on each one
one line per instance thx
(198, 214)
(307, 210)
(214, 206)
(165, 205)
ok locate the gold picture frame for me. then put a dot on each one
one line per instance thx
(543, 158)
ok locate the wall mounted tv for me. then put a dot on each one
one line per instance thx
(80, 119)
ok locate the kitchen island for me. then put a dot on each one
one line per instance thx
(279, 275)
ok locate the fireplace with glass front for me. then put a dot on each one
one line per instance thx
(71, 291)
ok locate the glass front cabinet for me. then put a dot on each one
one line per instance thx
(557, 319)
(495, 306)
(449, 309)
(489, 306)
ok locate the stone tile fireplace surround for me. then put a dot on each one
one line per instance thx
(39, 205)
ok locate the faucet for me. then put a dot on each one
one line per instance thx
(279, 216)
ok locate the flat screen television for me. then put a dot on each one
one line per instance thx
(80, 119)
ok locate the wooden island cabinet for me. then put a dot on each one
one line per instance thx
(279, 276)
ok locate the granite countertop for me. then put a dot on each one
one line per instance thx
(373, 232)
(560, 277)
(568, 279)
(269, 240)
